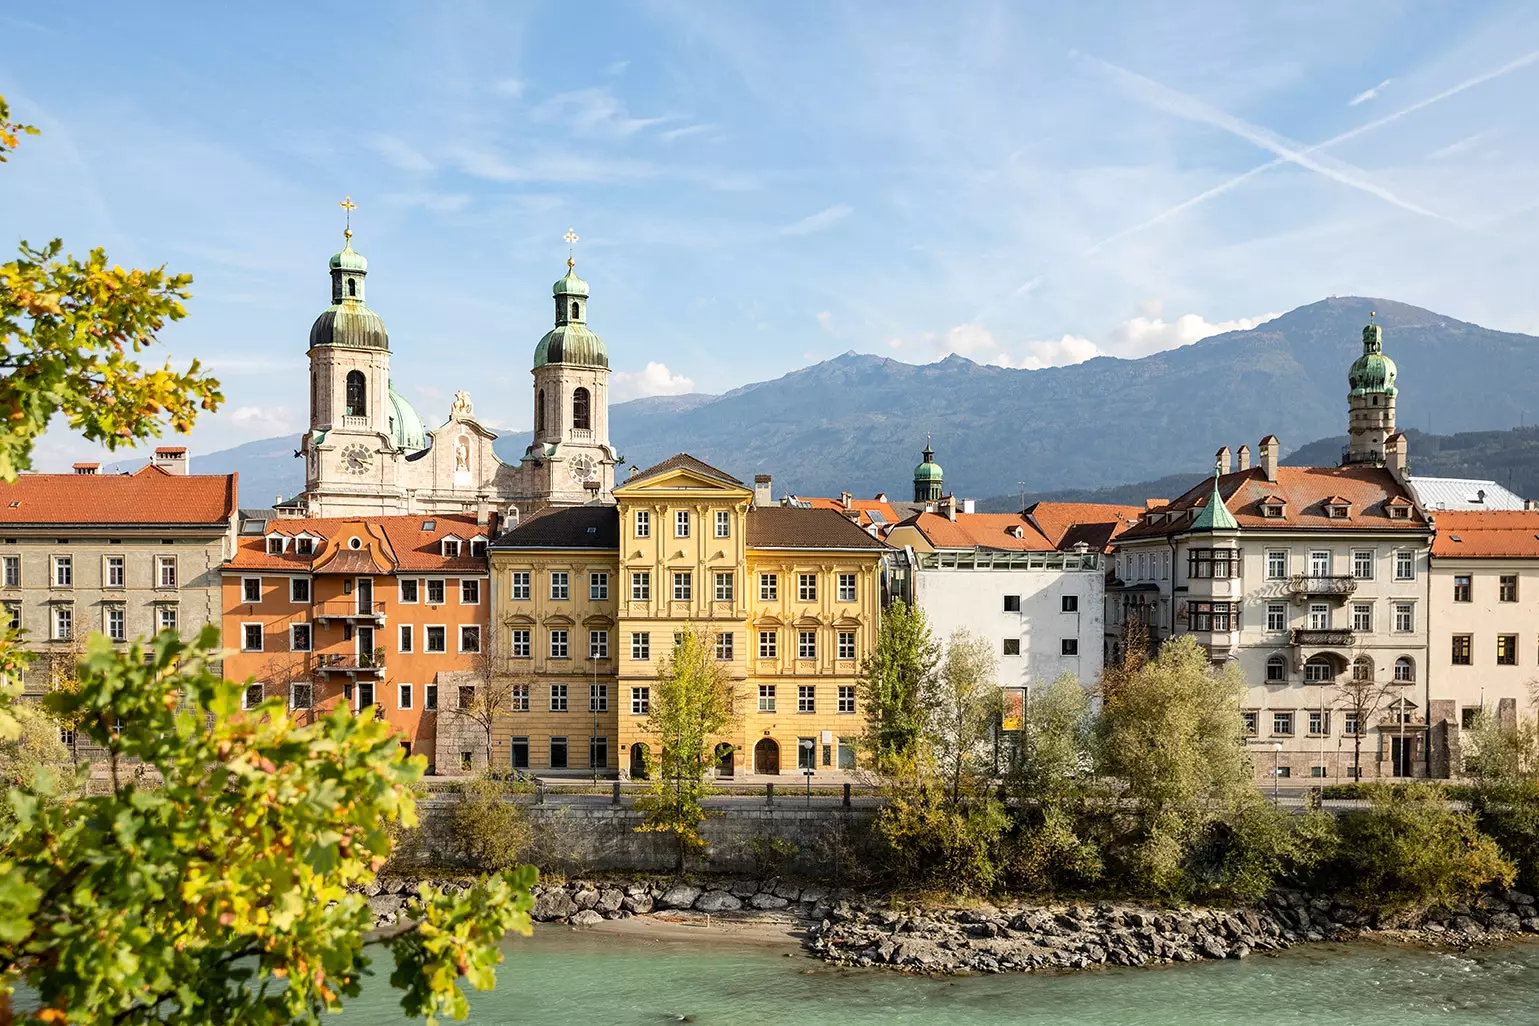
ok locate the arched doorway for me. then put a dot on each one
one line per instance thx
(639, 761)
(724, 760)
(766, 756)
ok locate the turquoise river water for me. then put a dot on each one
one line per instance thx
(560, 976)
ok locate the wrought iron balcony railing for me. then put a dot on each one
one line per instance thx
(1332, 638)
(1308, 584)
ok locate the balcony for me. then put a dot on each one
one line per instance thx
(350, 609)
(353, 665)
(1307, 585)
(1330, 638)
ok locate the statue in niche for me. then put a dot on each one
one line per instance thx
(462, 455)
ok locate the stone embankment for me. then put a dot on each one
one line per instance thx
(858, 929)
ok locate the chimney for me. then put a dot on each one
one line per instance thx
(946, 506)
(1244, 459)
(844, 499)
(171, 458)
(881, 496)
(1394, 455)
(1270, 448)
(969, 506)
(89, 469)
(1223, 460)
(762, 494)
(483, 510)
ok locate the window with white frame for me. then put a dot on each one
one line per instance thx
(1320, 563)
(430, 697)
(518, 697)
(405, 639)
(117, 626)
(558, 644)
(723, 523)
(641, 701)
(518, 586)
(766, 698)
(1349, 723)
(641, 645)
(304, 546)
(299, 637)
(1282, 723)
(478, 548)
(1405, 617)
(641, 585)
(63, 572)
(769, 587)
(1405, 670)
(681, 523)
(807, 587)
(1276, 669)
(403, 696)
(598, 697)
(560, 586)
(115, 577)
(13, 615)
(251, 637)
(806, 644)
(806, 698)
(1318, 670)
(598, 587)
(523, 647)
(252, 696)
(409, 590)
(165, 572)
(1319, 722)
(300, 695)
(724, 646)
(1362, 617)
(275, 545)
(724, 586)
(683, 586)
(435, 592)
(470, 591)
(251, 589)
(299, 589)
(1362, 669)
(435, 639)
(598, 644)
(470, 637)
(1362, 564)
(1276, 564)
(11, 566)
(1319, 616)
(846, 698)
(558, 698)
(846, 648)
(1277, 616)
(1405, 565)
(767, 645)
(451, 548)
(643, 523)
(846, 585)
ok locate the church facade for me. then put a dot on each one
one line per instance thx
(369, 453)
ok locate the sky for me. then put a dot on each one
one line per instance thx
(760, 186)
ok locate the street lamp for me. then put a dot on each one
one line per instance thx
(1276, 754)
(809, 746)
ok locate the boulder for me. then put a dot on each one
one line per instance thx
(1506, 922)
(815, 895)
(680, 895)
(384, 904)
(717, 901)
(639, 905)
(787, 890)
(610, 900)
(587, 917)
(767, 902)
(586, 898)
(553, 905)
(742, 888)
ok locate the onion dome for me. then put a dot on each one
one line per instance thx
(348, 321)
(571, 342)
(406, 428)
(928, 470)
(1373, 373)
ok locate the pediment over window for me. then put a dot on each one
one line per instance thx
(808, 621)
(597, 621)
(768, 620)
(519, 620)
(848, 621)
(559, 620)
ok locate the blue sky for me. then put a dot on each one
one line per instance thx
(761, 186)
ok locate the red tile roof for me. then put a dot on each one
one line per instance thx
(149, 496)
(409, 546)
(1486, 534)
(1094, 523)
(981, 531)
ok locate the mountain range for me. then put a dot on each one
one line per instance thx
(857, 422)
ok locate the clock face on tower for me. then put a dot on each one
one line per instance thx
(583, 468)
(356, 459)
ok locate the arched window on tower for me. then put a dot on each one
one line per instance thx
(357, 395)
(539, 411)
(352, 286)
(575, 314)
(580, 409)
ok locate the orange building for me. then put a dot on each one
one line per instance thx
(383, 611)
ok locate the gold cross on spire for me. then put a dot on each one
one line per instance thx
(571, 240)
(348, 205)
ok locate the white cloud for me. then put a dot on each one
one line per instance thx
(1140, 336)
(680, 133)
(617, 68)
(262, 421)
(656, 379)
(593, 111)
(1368, 94)
(824, 218)
(510, 87)
(1061, 352)
(399, 153)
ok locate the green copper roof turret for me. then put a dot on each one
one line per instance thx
(1215, 516)
(348, 321)
(928, 470)
(1373, 373)
(571, 341)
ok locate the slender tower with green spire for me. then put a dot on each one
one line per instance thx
(1371, 400)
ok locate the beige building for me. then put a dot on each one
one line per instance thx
(587, 601)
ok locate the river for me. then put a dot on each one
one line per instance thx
(560, 976)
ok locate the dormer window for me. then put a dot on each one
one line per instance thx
(451, 548)
(1399, 513)
(275, 545)
(478, 548)
(1336, 508)
(304, 546)
(1017, 531)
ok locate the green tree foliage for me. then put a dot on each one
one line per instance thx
(964, 710)
(1410, 850)
(36, 758)
(692, 705)
(1052, 781)
(1504, 766)
(1242, 856)
(493, 832)
(897, 681)
(931, 841)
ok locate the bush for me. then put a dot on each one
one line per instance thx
(493, 833)
(1510, 817)
(1411, 851)
(843, 854)
(1055, 854)
(1243, 858)
(931, 842)
(767, 853)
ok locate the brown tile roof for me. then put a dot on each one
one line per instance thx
(147, 496)
(887, 513)
(566, 527)
(1094, 523)
(790, 527)
(409, 546)
(684, 461)
(981, 531)
(1305, 490)
(1486, 534)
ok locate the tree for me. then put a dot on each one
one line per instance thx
(896, 681)
(1362, 698)
(493, 832)
(1051, 780)
(490, 692)
(963, 714)
(1504, 765)
(692, 704)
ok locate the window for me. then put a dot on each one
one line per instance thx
(807, 587)
(1071, 603)
(470, 592)
(404, 642)
(1276, 564)
(1507, 588)
(1284, 772)
(598, 587)
(766, 698)
(299, 589)
(435, 639)
(806, 644)
(683, 586)
(470, 637)
(846, 648)
(450, 547)
(641, 645)
(1461, 588)
(1318, 670)
(806, 753)
(1362, 564)
(643, 523)
(304, 546)
(518, 749)
(1012, 647)
(1277, 616)
(1405, 565)
(846, 754)
(806, 698)
(430, 697)
(435, 593)
(299, 637)
(13, 615)
(251, 637)
(301, 696)
(1276, 669)
(724, 587)
(1210, 563)
(117, 628)
(114, 577)
(641, 701)
(724, 646)
(1012, 603)
(1405, 617)
(769, 587)
(467, 762)
(598, 697)
(1362, 617)
(1211, 616)
(251, 697)
(681, 523)
(12, 569)
(1362, 668)
(559, 588)
(1349, 725)
(558, 698)
(63, 572)
(558, 753)
(580, 419)
(1463, 646)
(1319, 617)
(1506, 650)
(1282, 723)
(403, 696)
(723, 523)
(1405, 670)
(275, 545)
(408, 587)
(846, 584)
(767, 640)
(1319, 564)
(1249, 718)
(1319, 722)
(478, 548)
(598, 752)
(518, 699)
(1069, 647)
(558, 644)
(598, 644)
(520, 586)
(357, 404)
(846, 698)
(251, 589)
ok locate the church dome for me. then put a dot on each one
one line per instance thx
(929, 470)
(406, 428)
(349, 323)
(349, 259)
(570, 285)
(571, 344)
(1373, 373)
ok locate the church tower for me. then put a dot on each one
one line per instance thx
(1371, 401)
(928, 479)
(571, 402)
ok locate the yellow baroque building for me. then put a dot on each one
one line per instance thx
(587, 601)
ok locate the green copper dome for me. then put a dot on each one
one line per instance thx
(928, 472)
(349, 259)
(349, 323)
(406, 429)
(1373, 373)
(570, 284)
(571, 341)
